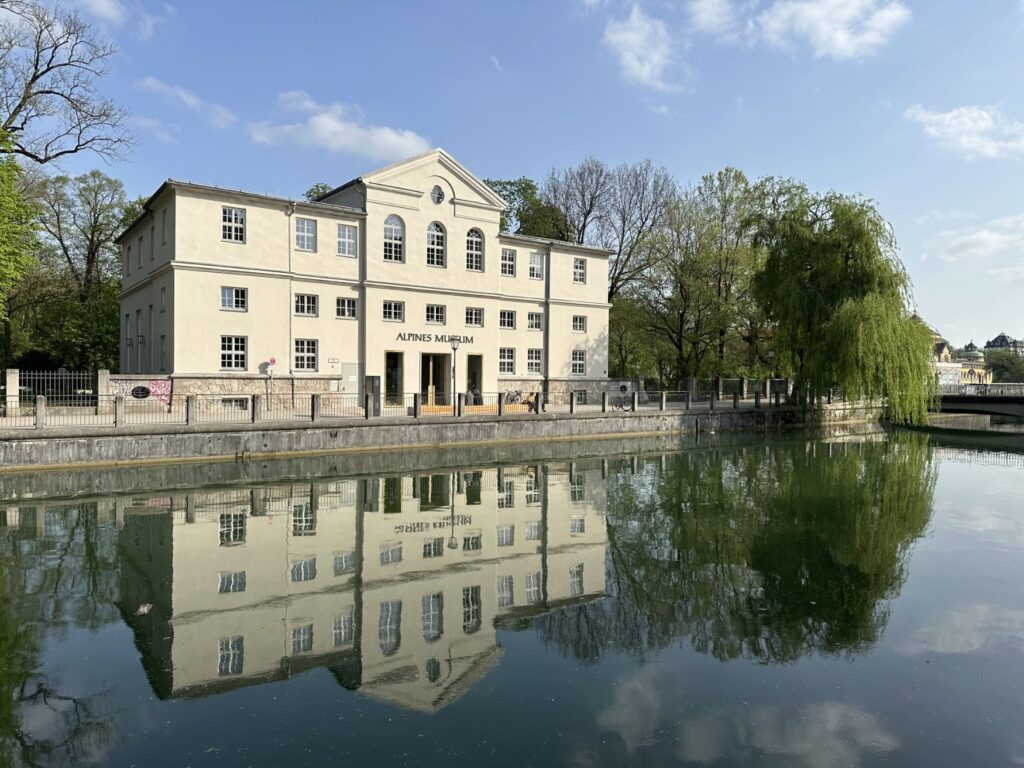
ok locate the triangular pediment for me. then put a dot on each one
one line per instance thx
(419, 174)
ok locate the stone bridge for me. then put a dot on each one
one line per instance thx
(994, 399)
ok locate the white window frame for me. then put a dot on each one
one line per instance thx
(508, 262)
(306, 355)
(507, 314)
(394, 239)
(506, 535)
(579, 323)
(536, 265)
(232, 224)
(534, 360)
(472, 315)
(305, 234)
(348, 240)
(437, 249)
(230, 302)
(346, 308)
(307, 305)
(397, 311)
(579, 362)
(579, 270)
(236, 353)
(507, 361)
(475, 250)
(439, 312)
(539, 317)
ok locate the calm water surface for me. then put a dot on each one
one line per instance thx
(796, 603)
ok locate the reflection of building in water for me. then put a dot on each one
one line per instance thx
(395, 583)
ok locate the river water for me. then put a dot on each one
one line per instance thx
(791, 602)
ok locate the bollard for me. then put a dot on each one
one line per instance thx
(604, 402)
(735, 400)
(501, 404)
(757, 401)
(417, 405)
(460, 404)
(257, 408)
(572, 402)
(314, 407)
(40, 411)
(663, 404)
(636, 401)
(191, 409)
(538, 402)
(119, 411)
(686, 400)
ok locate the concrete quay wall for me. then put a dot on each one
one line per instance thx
(140, 445)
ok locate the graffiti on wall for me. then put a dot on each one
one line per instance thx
(143, 389)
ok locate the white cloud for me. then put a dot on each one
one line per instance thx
(336, 128)
(110, 11)
(952, 214)
(496, 63)
(840, 29)
(634, 710)
(715, 17)
(643, 46)
(969, 628)
(131, 13)
(972, 131)
(218, 116)
(1014, 274)
(155, 127)
(999, 237)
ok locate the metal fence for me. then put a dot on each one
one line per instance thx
(60, 388)
(983, 390)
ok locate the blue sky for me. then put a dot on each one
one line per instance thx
(917, 105)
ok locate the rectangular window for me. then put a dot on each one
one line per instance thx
(163, 299)
(432, 608)
(128, 260)
(234, 299)
(307, 304)
(394, 311)
(344, 562)
(506, 591)
(471, 610)
(304, 570)
(506, 535)
(392, 554)
(579, 271)
(232, 529)
(507, 319)
(472, 543)
(433, 548)
(302, 639)
(348, 241)
(232, 227)
(579, 362)
(506, 494)
(577, 493)
(579, 323)
(532, 491)
(533, 360)
(535, 321)
(163, 227)
(232, 581)
(580, 396)
(533, 582)
(138, 256)
(152, 242)
(305, 234)
(536, 266)
(346, 308)
(578, 524)
(533, 531)
(576, 580)
(436, 314)
(344, 629)
(303, 519)
(305, 354)
(475, 316)
(232, 353)
(508, 262)
(163, 352)
(507, 360)
(231, 651)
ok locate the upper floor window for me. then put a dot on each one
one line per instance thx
(435, 245)
(128, 260)
(163, 226)
(533, 360)
(579, 323)
(579, 362)
(508, 262)
(232, 227)
(307, 304)
(536, 266)
(506, 360)
(233, 299)
(534, 321)
(507, 319)
(475, 316)
(394, 310)
(436, 314)
(347, 240)
(394, 239)
(475, 250)
(579, 271)
(346, 308)
(305, 234)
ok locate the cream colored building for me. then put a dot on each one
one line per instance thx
(396, 584)
(365, 289)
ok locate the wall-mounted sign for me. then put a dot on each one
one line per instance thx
(439, 338)
(271, 362)
(140, 393)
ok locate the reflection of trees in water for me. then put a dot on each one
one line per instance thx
(58, 570)
(759, 553)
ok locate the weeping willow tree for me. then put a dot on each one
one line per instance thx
(837, 293)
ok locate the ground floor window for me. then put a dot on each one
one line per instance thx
(580, 395)
(506, 360)
(232, 656)
(305, 354)
(233, 353)
(302, 639)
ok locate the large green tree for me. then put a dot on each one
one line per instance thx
(527, 214)
(834, 288)
(1006, 366)
(17, 228)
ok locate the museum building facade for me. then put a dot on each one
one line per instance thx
(396, 282)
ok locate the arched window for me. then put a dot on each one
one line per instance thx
(394, 239)
(475, 250)
(435, 245)
(389, 627)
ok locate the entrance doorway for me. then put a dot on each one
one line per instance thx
(394, 376)
(435, 372)
(474, 374)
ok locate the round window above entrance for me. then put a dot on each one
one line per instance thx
(437, 195)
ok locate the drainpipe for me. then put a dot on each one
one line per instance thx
(291, 305)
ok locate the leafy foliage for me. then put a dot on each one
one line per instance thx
(17, 228)
(317, 191)
(1006, 366)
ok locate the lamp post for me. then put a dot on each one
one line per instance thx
(453, 543)
(455, 348)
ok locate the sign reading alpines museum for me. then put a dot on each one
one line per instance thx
(430, 337)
